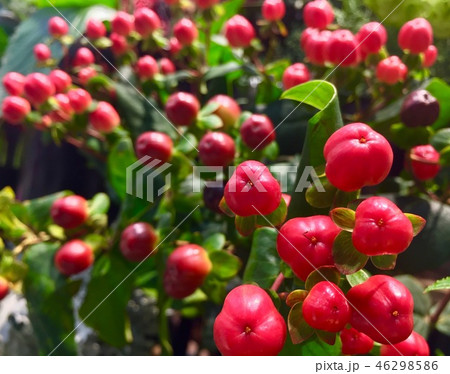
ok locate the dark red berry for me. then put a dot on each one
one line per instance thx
(104, 118)
(216, 149)
(420, 108)
(415, 345)
(182, 108)
(257, 131)
(415, 36)
(318, 14)
(138, 241)
(239, 32)
(156, 145)
(424, 162)
(15, 109)
(355, 342)
(69, 211)
(185, 31)
(74, 257)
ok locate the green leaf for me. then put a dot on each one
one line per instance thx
(441, 139)
(321, 199)
(276, 218)
(441, 284)
(208, 109)
(357, 278)
(225, 265)
(312, 347)
(407, 137)
(296, 296)
(327, 337)
(11, 268)
(441, 91)
(346, 258)
(323, 273)
(225, 208)
(344, 218)
(271, 151)
(384, 262)
(10, 226)
(210, 122)
(418, 222)
(299, 330)
(99, 204)
(245, 225)
(221, 70)
(215, 242)
(75, 3)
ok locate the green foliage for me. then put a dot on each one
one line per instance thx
(74, 3)
(441, 284)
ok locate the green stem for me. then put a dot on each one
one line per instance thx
(163, 304)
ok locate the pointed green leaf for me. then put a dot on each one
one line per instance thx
(384, 262)
(276, 218)
(324, 273)
(245, 225)
(99, 204)
(357, 278)
(299, 330)
(346, 258)
(321, 199)
(225, 265)
(225, 208)
(344, 218)
(210, 122)
(296, 296)
(441, 284)
(417, 222)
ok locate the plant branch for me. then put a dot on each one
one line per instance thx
(277, 282)
(441, 306)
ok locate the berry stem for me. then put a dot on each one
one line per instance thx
(441, 306)
(277, 282)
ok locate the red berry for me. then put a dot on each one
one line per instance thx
(315, 47)
(257, 131)
(372, 37)
(355, 342)
(391, 70)
(415, 345)
(357, 156)
(228, 110)
(122, 23)
(430, 56)
(69, 212)
(185, 31)
(186, 269)
(74, 257)
(42, 52)
(64, 112)
(57, 27)
(146, 21)
(119, 44)
(4, 288)
(15, 109)
(249, 324)
(80, 100)
(85, 74)
(381, 228)
(146, 67)
(216, 149)
(83, 57)
(156, 145)
(205, 4)
(239, 32)
(252, 190)
(61, 80)
(415, 36)
(295, 74)
(104, 118)
(166, 66)
(341, 48)
(174, 46)
(318, 14)
(305, 243)
(95, 29)
(38, 88)
(273, 10)
(382, 308)
(306, 33)
(326, 308)
(287, 198)
(420, 108)
(138, 241)
(182, 108)
(425, 162)
(13, 83)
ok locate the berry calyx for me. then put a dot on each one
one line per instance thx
(146, 67)
(15, 109)
(42, 52)
(228, 110)
(61, 80)
(80, 100)
(104, 117)
(122, 23)
(273, 10)
(138, 241)
(318, 14)
(424, 162)
(156, 145)
(13, 83)
(415, 345)
(57, 27)
(185, 31)
(415, 36)
(4, 288)
(69, 212)
(294, 75)
(239, 32)
(420, 108)
(146, 21)
(74, 257)
(430, 56)
(341, 48)
(257, 131)
(182, 108)
(95, 29)
(355, 342)
(216, 149)
(391, 70)
(372, 36)
(38, 88)
(83, 57)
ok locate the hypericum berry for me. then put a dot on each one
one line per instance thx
(57, 27)
(74, 257)
(341, 48)
(415, 345)
(252, 190)
(205, 4)
(391, 70)
(42, 52)
(166, 66)
(216, 149)
(182, 108)
(38, 88)
(65, 111)
(104, 118)
(326, 308)
(83, 57)
(122, 23)
(305, 243)
(318, 14)
(382, 308)
(156, 145)
(420, 108)
(15, 109)
(228, 110)
(415, 36)
(381, 228)
(257, 131)
(306, 33)
(119, 44)
(4, 288)
(273, 10)
(213, 194)
(45, 122)
(70, 212)
(430, 56)
(186, 269)
(239, 31)
(80, 100)
(138, 241)
(295, 74)
(315, 47)
(185, 31)
(355, 342)
(357, 156)
(146, 21)
(174, 46)
(95, 29)
(85, 74)
(146, 67)
(249, 324)
(61, 80)
(372, 36)
(287, 198)
(13, 83)
(424, 162)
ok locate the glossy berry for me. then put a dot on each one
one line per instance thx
(83, 57)
(249, 324)
(65, 111)
(212, 195)
(38, 88)
(252, 190)
(146, 67)
(372, 36)
(119, 44)
(306, 34)
(341, 48)
(156, 145)
(42, 52)
(146, 21)
(257, 131)
(85, 74)
(316, 47)
(415, 36)
(419, 108)
(415, 345)
(424, 162)
(295, 74)
(104, 118)
(185, 31)
(138, 241)
(273, 10)
(391, 70)
(382, 308)
(166, 66)
(318, 14)
(357, 156)
(122, 23)
(216, 149)
(182, 108)
(205, 4)
(228, 110)
(430, 56)
(15, 109)
(80, 100)
(13, 83)
(74, 257)
(174, 46)
(239, 32)
(95, 29)
(57, 27)
(4, 288)
(69, 212)
(287, 198)
(381, 228)
(186, 269)
(61, 80)
(305, 243)
(355, 342)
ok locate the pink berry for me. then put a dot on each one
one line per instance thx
(146, 67)
(122, 23)
(185, 31)
(85, 74)
(425, 162)
(119, 44)
(273, 10)
(13, 83)
(57, 27)
(216, 149)
(42, 52)
(104, 118)
(415, 36)
(341, 48)
(4, 288)
(239, 32)
(295, 74)
(318, 14)
(257, 131)
(38, 88)
(315, 47)
(182, 108)
(80, 100)
(430, 56)
(306, 33)
(391, 70)
(372, 37)
(15, 109)
(65, 111)
(83, 57)
(95, 29)
(166, 66)
(174, 46)
(146, 21)
(61, 80)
